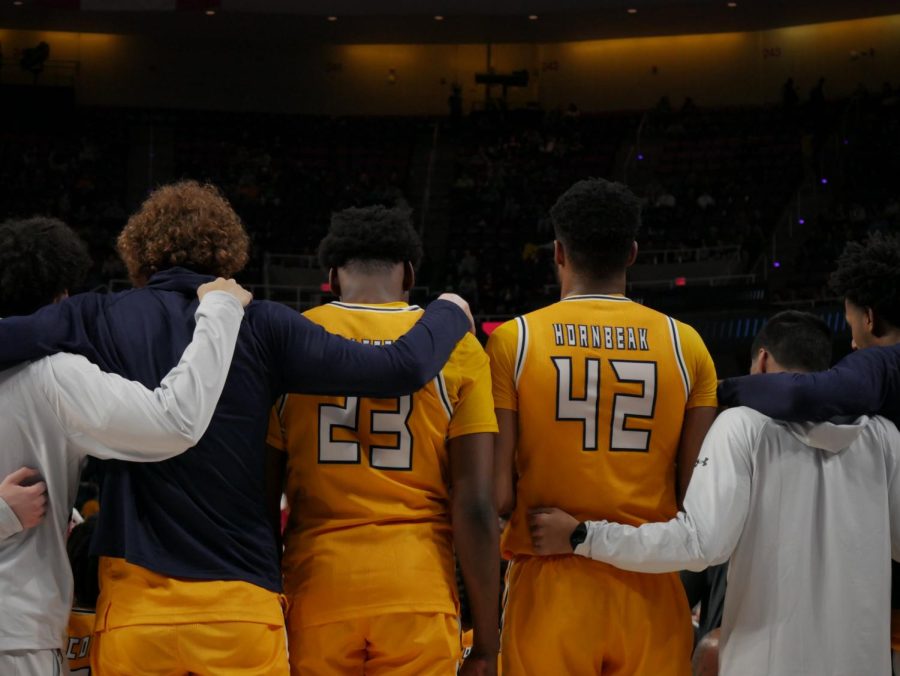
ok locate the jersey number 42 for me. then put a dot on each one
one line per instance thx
(625, 407)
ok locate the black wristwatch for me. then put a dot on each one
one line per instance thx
(578, 535)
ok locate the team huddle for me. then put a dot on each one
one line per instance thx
(586, 429)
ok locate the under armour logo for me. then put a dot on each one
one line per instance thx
(701, 462)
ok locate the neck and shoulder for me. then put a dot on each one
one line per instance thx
(576, 285)
(365, 283)
(579, 280)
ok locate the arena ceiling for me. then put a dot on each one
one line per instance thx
(370, 21)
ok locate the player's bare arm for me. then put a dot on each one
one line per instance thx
(476, 539)
(26, 496)
(697, 422)
(505, 461)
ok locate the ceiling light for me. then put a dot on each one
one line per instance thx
(732, 5)
(632, 10)
(210, 12)
(532, 17)
(18, 3)
(332, 18)
(438, 17)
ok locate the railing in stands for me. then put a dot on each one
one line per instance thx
(698, 255)
(716, 280)
(55, 72)
(551, 290)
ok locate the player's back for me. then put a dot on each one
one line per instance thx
(368, 481)
(601, 385)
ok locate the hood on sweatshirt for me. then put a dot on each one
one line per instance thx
(833, 437)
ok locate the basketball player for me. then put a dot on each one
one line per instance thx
(190, 572)
(602, 406)
(865, 382)
(807, 513)
(383, 491)
(58, 410)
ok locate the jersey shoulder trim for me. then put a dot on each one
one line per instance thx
(280, 404)
(375, 308)
(679, 356)
(597, 296)
(441, 386)
(521, 347)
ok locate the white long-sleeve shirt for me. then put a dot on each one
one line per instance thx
(809, 515)
(55, 412)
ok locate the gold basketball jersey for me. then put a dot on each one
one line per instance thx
(368, 481)
(601, 385)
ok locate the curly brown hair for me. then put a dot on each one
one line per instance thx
(184, 224)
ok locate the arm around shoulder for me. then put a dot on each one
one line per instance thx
(856, 385)
(317, 362)
(715, 509)
(110, 417)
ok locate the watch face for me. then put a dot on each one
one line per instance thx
(579, 535)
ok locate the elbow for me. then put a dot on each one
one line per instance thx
(421, 376)
(711, 559)
(187, 437)
(698, 565)
(404, 379)
(478, 513)
(192, 429)
(504, 507)
(703, 557)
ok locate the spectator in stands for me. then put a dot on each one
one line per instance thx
(468, 266)
(817, 95)
(666, 199)
(789, 98)
(705, 200)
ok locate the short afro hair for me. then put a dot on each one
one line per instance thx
(40, 259)
(597, 222)
(184, 224)
(799, 341)
(370, 235)
(868, 275)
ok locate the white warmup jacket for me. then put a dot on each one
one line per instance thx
(809, 515)
(58, 410)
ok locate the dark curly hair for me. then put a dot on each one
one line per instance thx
(798, 341)
(40, 259)
(597, 222)
(184, 224)
(868, 275)
(370, 235)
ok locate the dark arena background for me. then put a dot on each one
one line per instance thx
(761, 135)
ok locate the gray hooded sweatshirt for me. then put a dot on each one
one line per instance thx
(809, 516)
